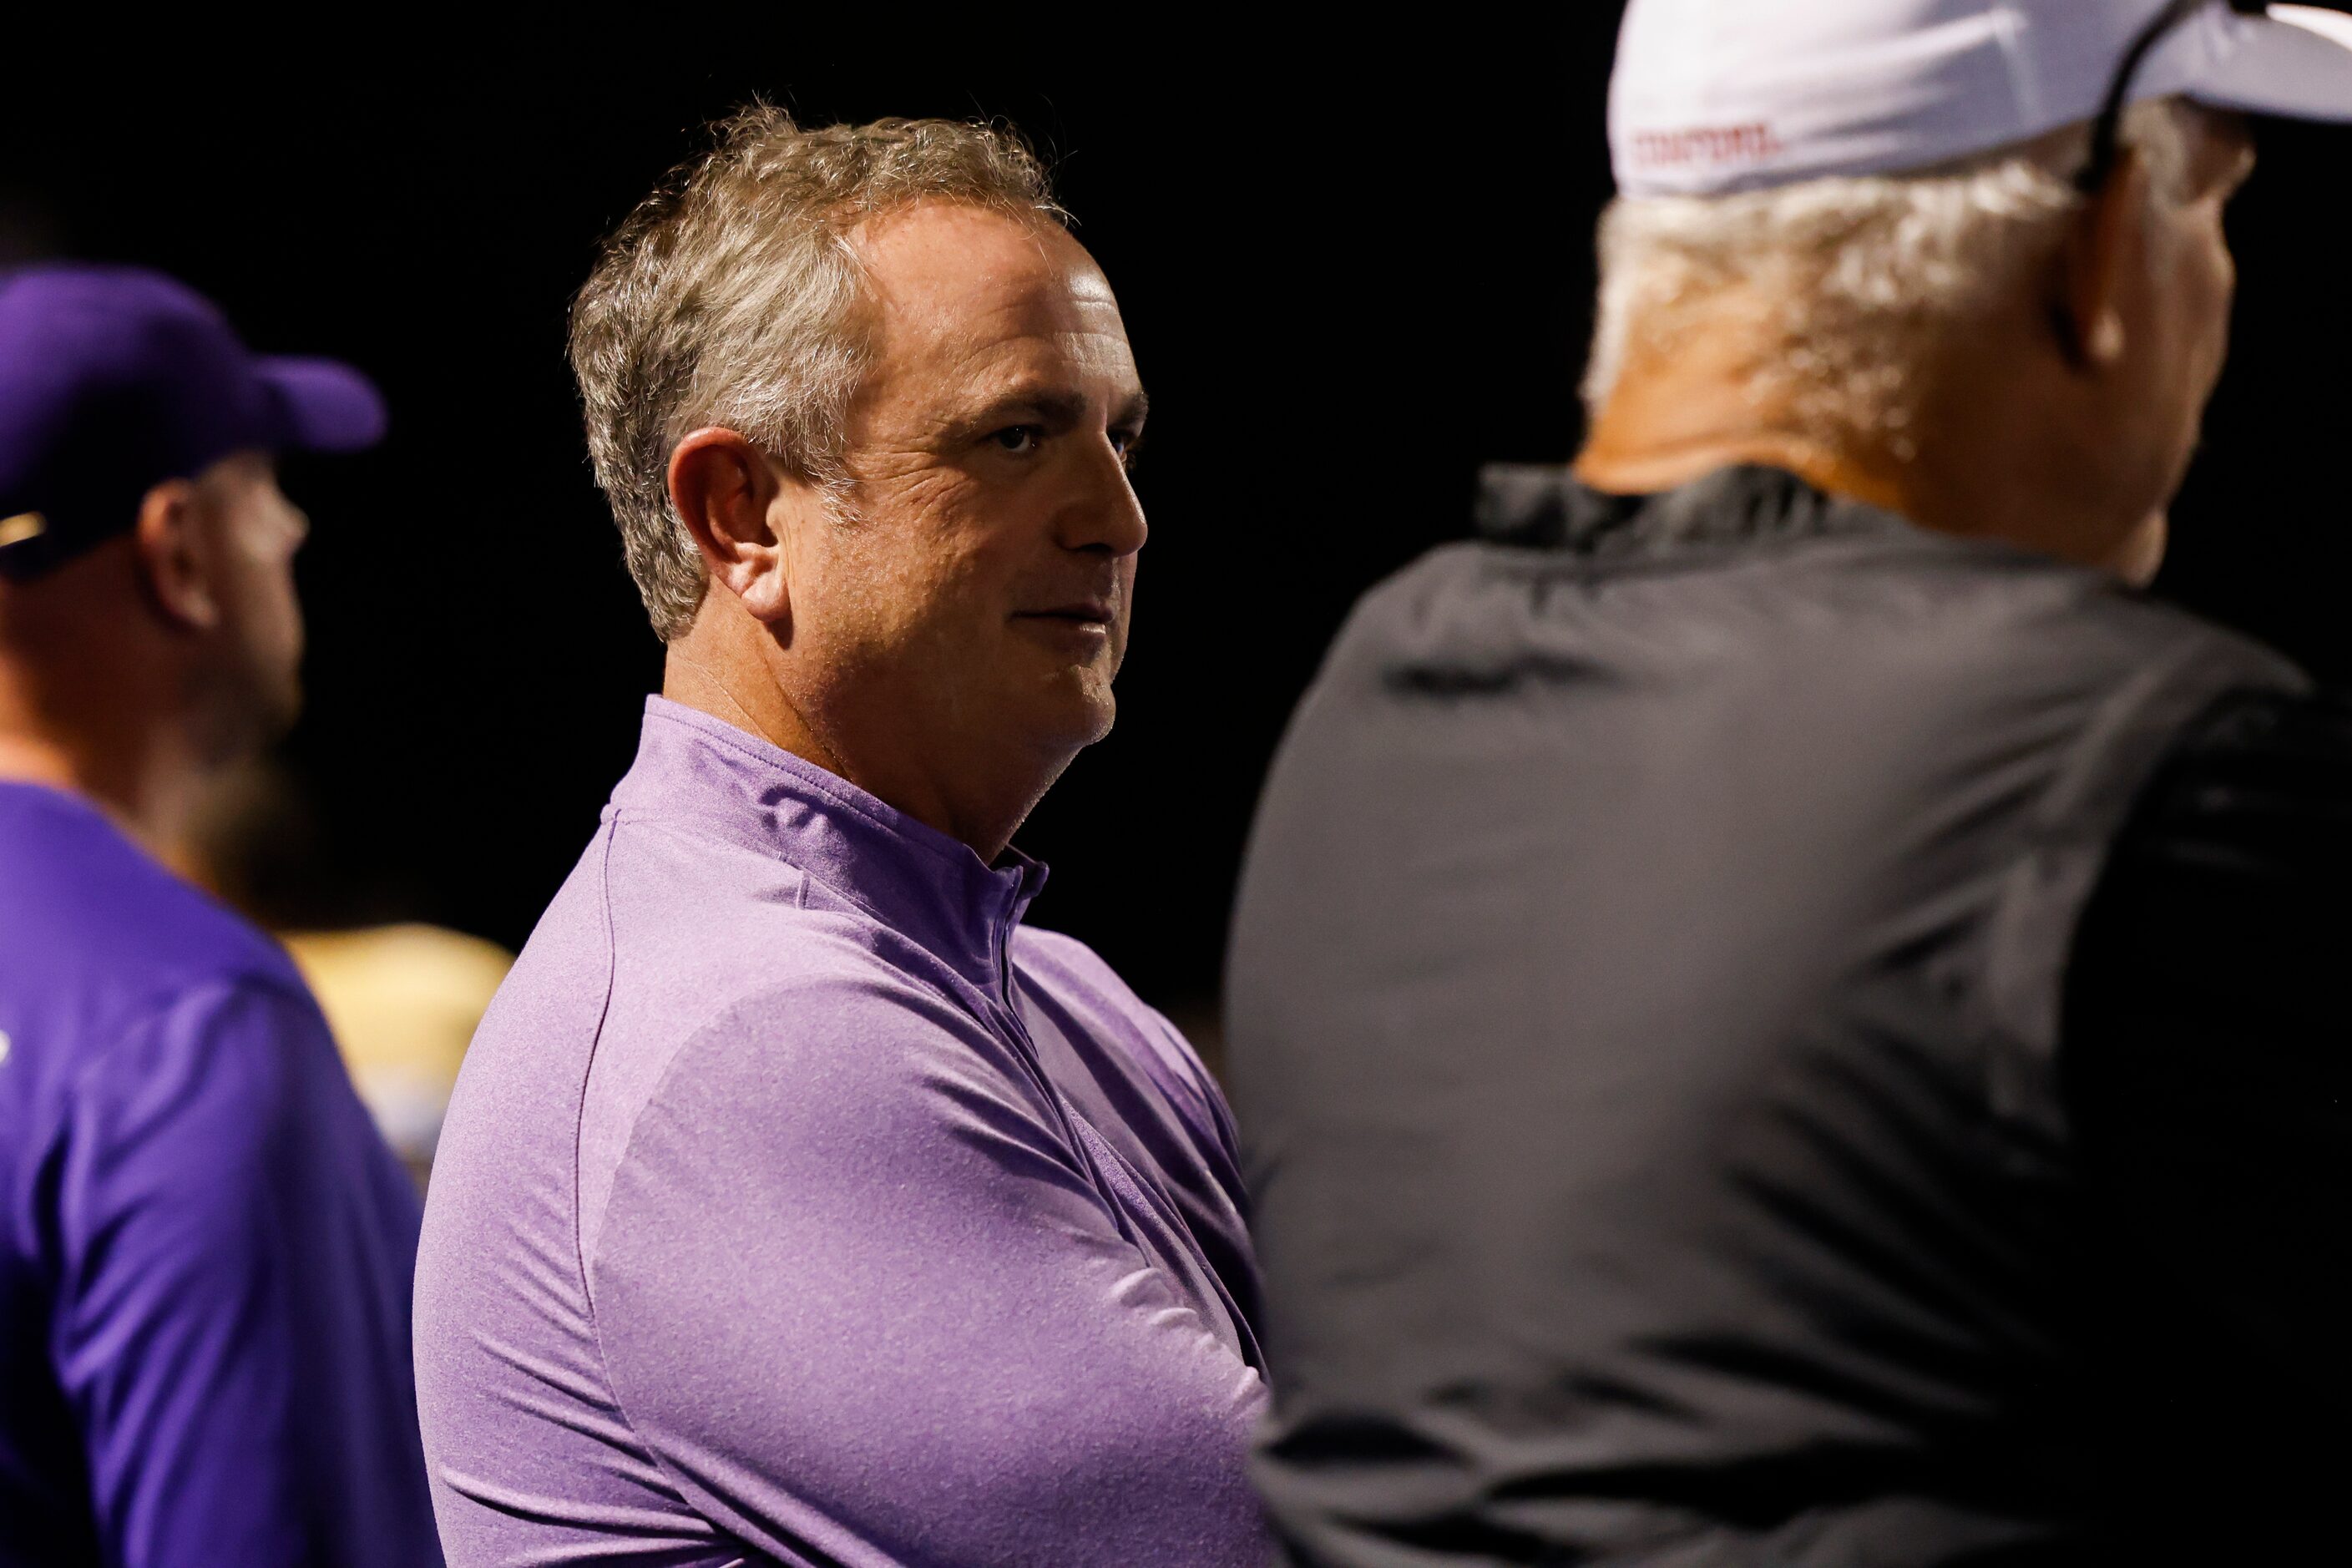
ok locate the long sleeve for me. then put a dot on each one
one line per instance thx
(232, 1323)
(863, 1303)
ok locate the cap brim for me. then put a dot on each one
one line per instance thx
(324, 405)
(2295, 62)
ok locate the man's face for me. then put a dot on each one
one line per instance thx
(979, 596)
(247, 533)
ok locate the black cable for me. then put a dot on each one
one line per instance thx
(2106, 131)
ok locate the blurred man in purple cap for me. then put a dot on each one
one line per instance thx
(1783, 1012)
(204, 1248)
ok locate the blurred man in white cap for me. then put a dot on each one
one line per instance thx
(1782, 1013)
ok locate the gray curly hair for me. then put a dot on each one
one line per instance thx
(732, 295)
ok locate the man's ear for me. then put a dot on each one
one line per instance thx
(725, 489)
(173, 559)
(2103, 250)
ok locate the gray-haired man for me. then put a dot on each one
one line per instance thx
(1783, 1014)
(798, 1203)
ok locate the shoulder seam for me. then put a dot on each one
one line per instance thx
(595, 1042)
(579, 1242)
(76, 1084)
(149, 1015)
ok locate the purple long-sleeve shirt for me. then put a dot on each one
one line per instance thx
(797, 1202)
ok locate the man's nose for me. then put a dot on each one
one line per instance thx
(1105, 514)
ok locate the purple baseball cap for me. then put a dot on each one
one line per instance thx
(113, 379)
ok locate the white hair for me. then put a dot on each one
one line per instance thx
(1861, 275)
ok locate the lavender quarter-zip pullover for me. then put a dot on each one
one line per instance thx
(797, 1202)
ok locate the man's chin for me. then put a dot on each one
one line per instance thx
(1083, 713)
(1085, 726)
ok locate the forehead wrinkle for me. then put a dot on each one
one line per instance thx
(990, 315)
(1041, 362)
(1042, 309)
(979, 279)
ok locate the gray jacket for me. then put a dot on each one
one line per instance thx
(1645, 1007)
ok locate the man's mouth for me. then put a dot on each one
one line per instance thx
(1076, 613)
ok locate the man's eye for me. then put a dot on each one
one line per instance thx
(1019, 437)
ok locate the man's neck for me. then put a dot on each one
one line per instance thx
(1969, 463)
(1619, 463)
(1669, 422)
(148, 795)
(1622, 470)
(718, 669)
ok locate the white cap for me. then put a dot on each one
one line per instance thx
(1716, 96)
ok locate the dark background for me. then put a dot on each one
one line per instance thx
(1355, 262)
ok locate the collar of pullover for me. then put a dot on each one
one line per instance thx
(711, 778)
